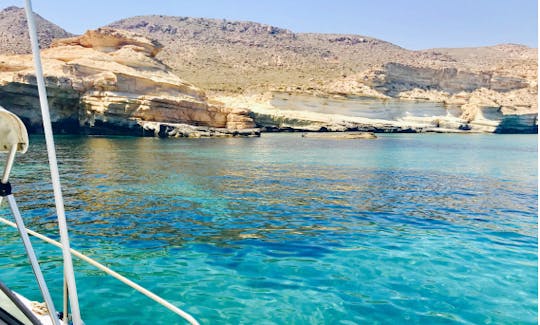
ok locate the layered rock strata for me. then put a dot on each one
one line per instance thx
(109, 82)
(507, 95)
(270, 118)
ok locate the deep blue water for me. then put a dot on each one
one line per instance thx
(409, 228)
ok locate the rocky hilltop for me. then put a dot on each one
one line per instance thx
(109, 82)
(14, 37)
(237, 56)
(249, 55)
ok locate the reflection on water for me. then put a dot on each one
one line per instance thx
(390, 109)
(414, 228)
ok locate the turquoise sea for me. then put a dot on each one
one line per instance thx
(408, 228)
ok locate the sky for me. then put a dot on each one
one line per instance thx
(413, 24)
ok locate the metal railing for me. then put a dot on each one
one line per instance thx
(112, 273)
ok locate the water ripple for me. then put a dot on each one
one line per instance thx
(282, 229)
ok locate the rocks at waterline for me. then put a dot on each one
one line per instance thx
(109, 82)
(172, 130)
(273, 119)
(340, 135)
(508, 93)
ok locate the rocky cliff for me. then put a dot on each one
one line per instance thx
(109, 81)
(393, 78)
(507, 94)
(126, 80)
(247, 58)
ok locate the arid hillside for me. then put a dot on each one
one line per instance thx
(239, 56)
(236, 56)
(14, 37)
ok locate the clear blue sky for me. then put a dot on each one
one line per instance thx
(413, 24)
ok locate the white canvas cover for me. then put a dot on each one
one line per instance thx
(12, 132)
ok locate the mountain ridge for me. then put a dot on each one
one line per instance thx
(14, 37)
(238, 56)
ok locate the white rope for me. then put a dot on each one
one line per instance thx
(55, 177)
(112, 273)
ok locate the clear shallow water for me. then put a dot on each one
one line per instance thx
(432, 229)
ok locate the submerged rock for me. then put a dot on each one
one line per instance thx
(109, 82)
(340, 135)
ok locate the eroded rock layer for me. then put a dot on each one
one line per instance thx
(109, 81)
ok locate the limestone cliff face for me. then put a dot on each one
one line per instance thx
(305, 112)
(109, 81)
(393, 78)
(501, 99)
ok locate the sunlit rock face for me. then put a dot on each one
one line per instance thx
(491, 100)
(393, 78)
(109, 81)
(300, 112)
